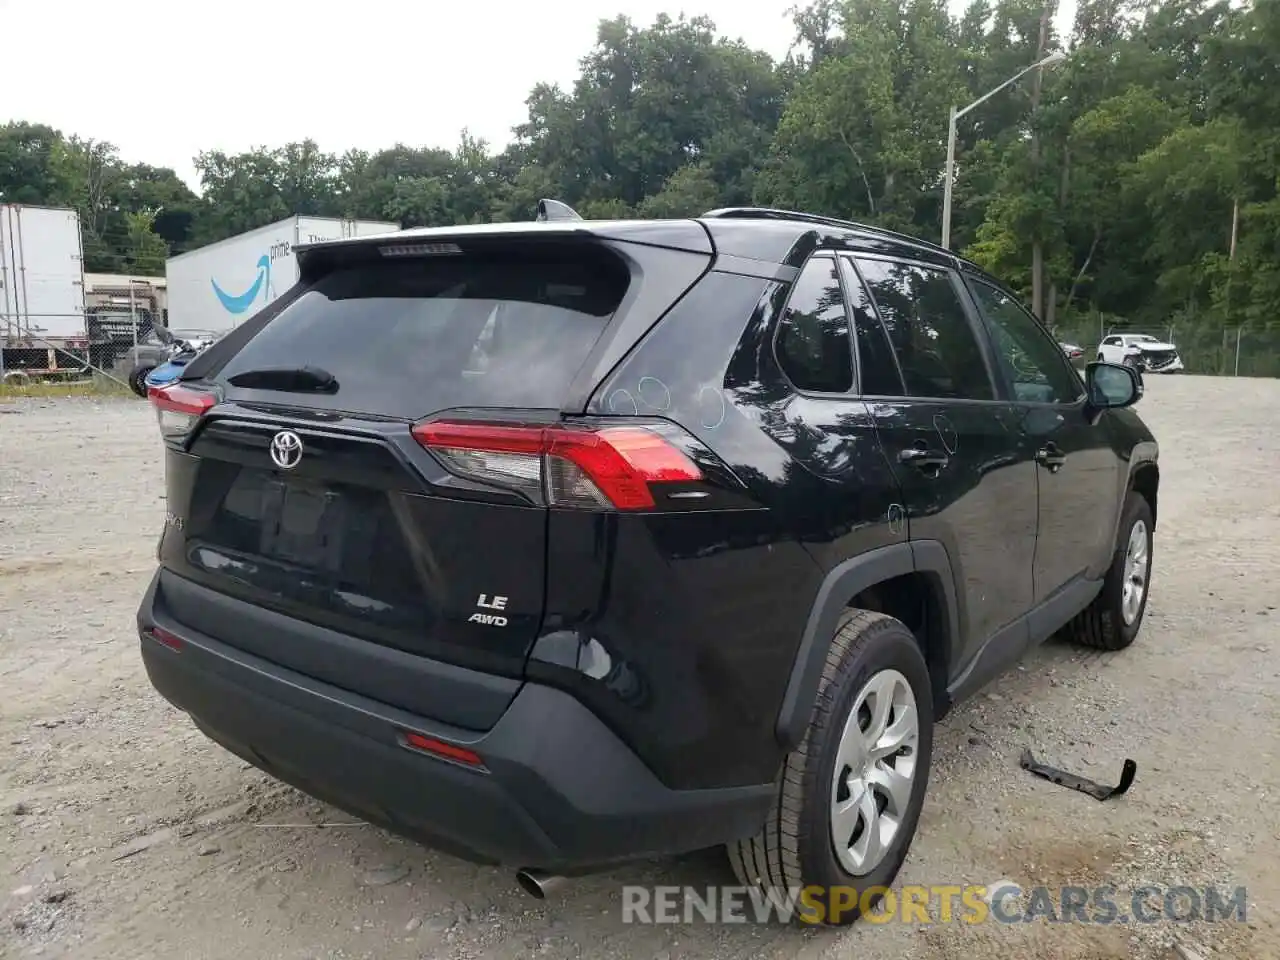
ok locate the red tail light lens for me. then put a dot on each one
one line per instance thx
(609, 467)
(178, 408)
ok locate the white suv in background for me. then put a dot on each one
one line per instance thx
(1140, 350)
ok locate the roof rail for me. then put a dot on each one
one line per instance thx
(770, 213)
(555, 210)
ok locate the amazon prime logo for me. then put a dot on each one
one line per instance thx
(286, 449)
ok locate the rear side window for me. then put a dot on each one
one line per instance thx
(930, 332)
(408, 337)
(813, 345)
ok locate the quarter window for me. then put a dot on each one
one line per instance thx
(813, 345)
(935, 343)
(877, 369)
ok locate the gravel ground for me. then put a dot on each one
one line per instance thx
(125, 834)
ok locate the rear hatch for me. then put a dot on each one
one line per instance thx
(305, 487)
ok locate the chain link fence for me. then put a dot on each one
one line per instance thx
(29, 354)
(1208, 350)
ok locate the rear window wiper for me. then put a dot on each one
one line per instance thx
(287, 379)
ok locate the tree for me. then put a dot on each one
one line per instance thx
(159, 191)
(864, 131)
(147, 250)
(689, 192)
(96, 169)
(648, 102)
(240, 192)
(35, 166)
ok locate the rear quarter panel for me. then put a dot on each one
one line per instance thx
(681, 629)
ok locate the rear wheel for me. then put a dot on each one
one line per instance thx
(1114, 618)
(849, 797)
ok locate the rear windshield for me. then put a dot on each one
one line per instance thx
(407, 337)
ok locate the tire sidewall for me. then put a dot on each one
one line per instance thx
(137, 380)
(893, 648)
(1136, 509)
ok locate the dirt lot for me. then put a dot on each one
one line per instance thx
(125, 834)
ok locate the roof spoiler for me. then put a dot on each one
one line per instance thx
(555, 210)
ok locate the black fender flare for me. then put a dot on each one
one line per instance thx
(1144, 456)
(841, 584)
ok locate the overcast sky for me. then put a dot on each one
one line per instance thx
(163, 80)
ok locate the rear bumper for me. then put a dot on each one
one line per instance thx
(559, 790)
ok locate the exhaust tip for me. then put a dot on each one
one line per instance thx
(536, 883)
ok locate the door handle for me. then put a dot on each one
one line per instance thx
(923, 458)
(1051, 456)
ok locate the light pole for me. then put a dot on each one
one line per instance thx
(1051, 60)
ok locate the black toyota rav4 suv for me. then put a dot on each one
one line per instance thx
(561, 543)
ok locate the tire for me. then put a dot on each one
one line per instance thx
(1105, 624)
(1100, 360)
(795, 849)
(137, 380)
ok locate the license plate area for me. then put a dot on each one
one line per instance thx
(303, 524)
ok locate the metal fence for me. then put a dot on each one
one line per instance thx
(32, 352)
(1213, 351)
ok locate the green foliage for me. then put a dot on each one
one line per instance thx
(864, 131)
(130, 213)
(35, 166)
(689, 192)
(1124, 168)
(147, 250)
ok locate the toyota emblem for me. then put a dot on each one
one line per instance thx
(286, 449)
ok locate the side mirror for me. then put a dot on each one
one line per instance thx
(1112, 385)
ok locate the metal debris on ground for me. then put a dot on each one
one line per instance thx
(1073, 781)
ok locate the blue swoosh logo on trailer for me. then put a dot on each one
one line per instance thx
(239, 303)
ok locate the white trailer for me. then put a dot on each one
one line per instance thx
(216, 287)
(41, 276)
(42, 321)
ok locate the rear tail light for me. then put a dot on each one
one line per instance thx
(178, 408)
(605, 467)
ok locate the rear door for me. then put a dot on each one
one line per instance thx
(954, 444)
(309, 491)
(815, 413)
